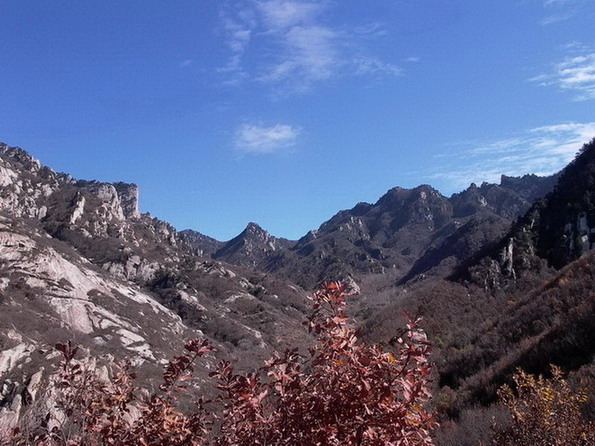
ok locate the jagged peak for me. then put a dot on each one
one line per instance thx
(398, 194)
(20, 156)
(197, 235)
(253, 229)
(125, 194)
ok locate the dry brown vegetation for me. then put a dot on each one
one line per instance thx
(343, 393)
(545, 412)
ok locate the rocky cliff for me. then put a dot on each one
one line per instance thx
(253, 247)
(407, 233)
(79, 261)
(555, 231)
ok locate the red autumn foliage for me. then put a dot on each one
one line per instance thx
(342, 393)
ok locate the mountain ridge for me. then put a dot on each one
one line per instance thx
(365, 247)
(487, 259)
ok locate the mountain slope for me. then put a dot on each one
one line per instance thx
(555, 231)
(251, 248)
(527, 300)
(408, 232)
(50, 294)
(79, 261)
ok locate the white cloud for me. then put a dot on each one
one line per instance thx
(557, 2)
(370, 65)
(575, 73)
(372, 30)
(559, 17)
(310, 54)
(258, 139)
(284, 13)
(542, 151)
(238, 29)
(289, 45)
(561, 10)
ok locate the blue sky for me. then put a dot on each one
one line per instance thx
(283, 112)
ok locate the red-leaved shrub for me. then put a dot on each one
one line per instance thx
(342, 392)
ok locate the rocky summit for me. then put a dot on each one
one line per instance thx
(79, 261)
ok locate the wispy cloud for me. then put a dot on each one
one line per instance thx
(290, 45)
(371, 65)
(412, 59)
(542, 151)
(310, 54)
(259, 139)
(286, 13)
(560, 10)
(238, 29)
(558, 2)
(575, 73)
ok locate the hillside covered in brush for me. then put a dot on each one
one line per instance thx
(502, 275)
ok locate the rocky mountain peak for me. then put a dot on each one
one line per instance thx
(129, 198)
(204, 245)
(398, 197)
(252, 247)
(21, 157)
(509, 199)
(35, 191)
(554, 232)
(253, 230)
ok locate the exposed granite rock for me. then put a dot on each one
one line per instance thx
(129, 198)
(78, 261)
(252, 248)
(555, 231)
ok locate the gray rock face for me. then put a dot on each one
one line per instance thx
(252, 248)
(555, 231)
(50, 294)
(28, 187)
(407, 232)
(78, 261)
(129, 198)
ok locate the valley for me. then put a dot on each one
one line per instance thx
(501, 274)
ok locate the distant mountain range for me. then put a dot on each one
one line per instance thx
(410, 231)
(502, 273)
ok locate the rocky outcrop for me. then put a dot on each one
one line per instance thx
(203, 245)
(129, 198)
(50, 294)
(28, 188)
(509, 199)
(78, 261)
(408, 232)
(555, 231)
(252, 248)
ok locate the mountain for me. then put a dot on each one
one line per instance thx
(502, 274)
(525, 300)
(545, 268)
(79, 261)
(251, 248)
(407, 232)
(204, 245)
(555, 231)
